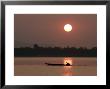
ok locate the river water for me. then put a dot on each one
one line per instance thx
(35, 66)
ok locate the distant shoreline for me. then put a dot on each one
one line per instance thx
(37, 51)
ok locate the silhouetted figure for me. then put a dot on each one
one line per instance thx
(67, 64)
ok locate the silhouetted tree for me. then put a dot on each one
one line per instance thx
(55, 51)
(35, 46)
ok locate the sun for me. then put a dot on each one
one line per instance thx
(67, 27)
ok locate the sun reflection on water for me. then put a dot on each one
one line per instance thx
(67, 70)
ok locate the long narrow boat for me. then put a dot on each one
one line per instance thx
(50, 64)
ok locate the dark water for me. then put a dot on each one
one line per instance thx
(35, 66)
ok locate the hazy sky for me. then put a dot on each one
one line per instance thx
(48, 30)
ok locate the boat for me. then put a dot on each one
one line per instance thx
(50, 64)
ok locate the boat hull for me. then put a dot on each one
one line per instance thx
(49, 64)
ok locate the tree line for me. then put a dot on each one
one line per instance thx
(38, 51)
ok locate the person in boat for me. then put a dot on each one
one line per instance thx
(67, 64)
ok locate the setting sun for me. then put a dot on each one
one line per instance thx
(67, 27)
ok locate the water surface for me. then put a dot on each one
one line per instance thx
(35, 66)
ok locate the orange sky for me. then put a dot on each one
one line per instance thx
(48, 30)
